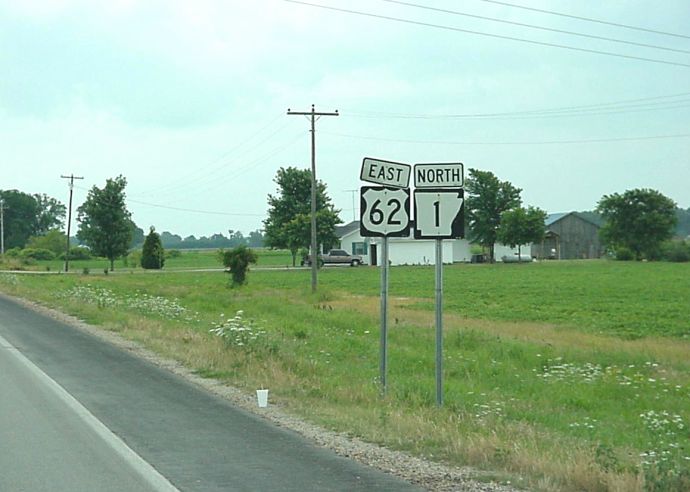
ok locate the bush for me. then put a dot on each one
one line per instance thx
(78, 253)
(36, 254)
(624, 254)
(13, 252)
(173, 253)
(133, 259)
(678, 251)
(237, 260)
(152, 253)
(53, 240)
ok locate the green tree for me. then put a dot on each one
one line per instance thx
(487, 198)
(298, 230)
(50, 213)
(54, 240)
(152, 253)
(237, 260)
(236, 238)
(20, 218)
(256, 239)
(285, 225)
(521, 226)
(105, 224)
(639, 220)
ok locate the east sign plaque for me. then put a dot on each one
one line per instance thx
(386, 173)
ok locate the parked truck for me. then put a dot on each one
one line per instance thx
(336, 257)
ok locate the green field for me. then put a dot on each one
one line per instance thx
(558, 375)
(188, 259)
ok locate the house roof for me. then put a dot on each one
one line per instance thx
(591, 218)
(343, 230)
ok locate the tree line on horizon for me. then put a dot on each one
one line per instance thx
(255, 239)
(636, 222)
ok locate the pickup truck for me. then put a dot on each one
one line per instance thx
(337, 257)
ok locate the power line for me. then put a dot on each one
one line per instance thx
(180, 209)
(533, 26)
(206, 212)
(521, 116)
(194, 176)
(485, 34)
(613, 105)
(538, 142)
(517, 115)
(587, 19)
(253, 163)
(245, 168)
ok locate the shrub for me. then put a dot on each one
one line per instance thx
(237, 260)
(678, 251)
(79, 253)
(53, 240)
(152, 253)
(37, 254)
(13, 252)
(133, 259)
(624, 254)
(173, 253)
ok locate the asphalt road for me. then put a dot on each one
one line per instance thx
(77, 412)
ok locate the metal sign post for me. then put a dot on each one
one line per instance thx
(439, 215)
(439, 322)
(384, 213)
(383, 365)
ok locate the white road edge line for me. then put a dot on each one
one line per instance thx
(142, 467)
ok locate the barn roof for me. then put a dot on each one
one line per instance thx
(553, 218)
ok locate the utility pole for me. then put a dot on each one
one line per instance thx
(71, 178)
(314, 254)
(354, 210)
(2, 227)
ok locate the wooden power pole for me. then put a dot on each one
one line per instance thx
(71, 178)
(314, 254)
(2, 227)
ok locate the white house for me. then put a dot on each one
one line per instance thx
(410, 251)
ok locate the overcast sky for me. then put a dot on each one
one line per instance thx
(188, 99)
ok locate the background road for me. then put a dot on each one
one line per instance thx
(50, 435)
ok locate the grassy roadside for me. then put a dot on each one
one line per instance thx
(565, 376)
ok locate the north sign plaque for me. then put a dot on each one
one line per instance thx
(441, 175)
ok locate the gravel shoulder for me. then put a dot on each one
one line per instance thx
(426, 474)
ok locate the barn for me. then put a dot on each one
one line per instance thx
(570, 236)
